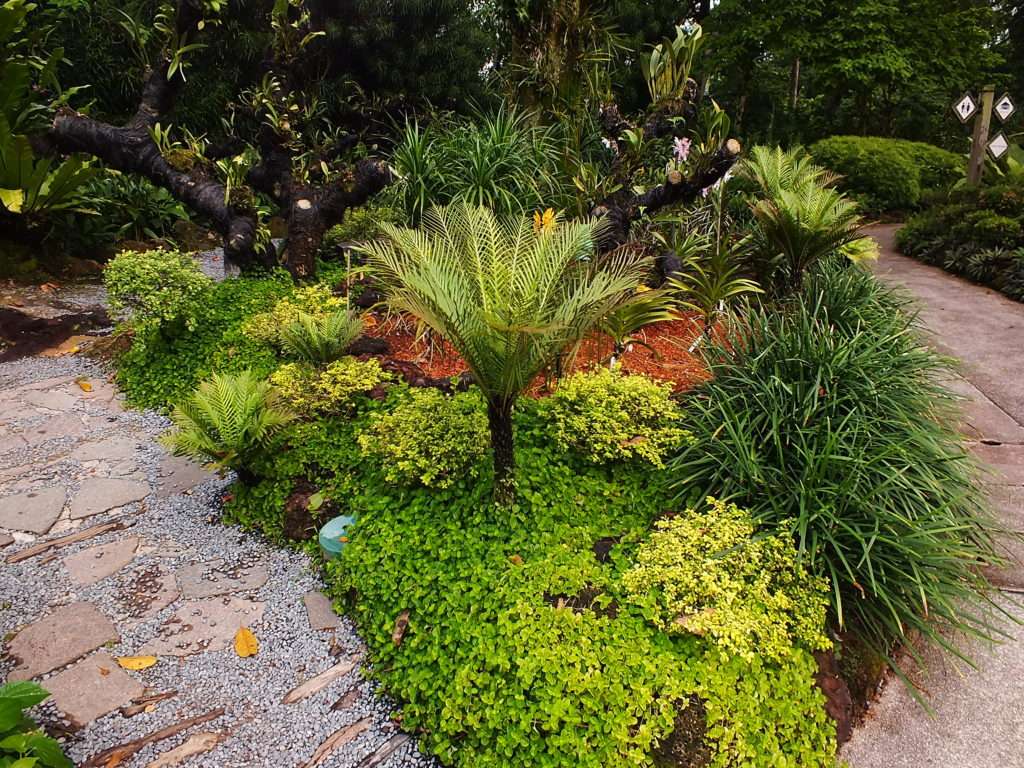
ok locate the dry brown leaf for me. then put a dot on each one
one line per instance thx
(137, 663)
(104, 671)
(401, 624)
(246, 644)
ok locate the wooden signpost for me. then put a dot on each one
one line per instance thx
(966, 108)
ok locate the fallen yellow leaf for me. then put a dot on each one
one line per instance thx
(246, 643)
(136, 663)
(84, 384)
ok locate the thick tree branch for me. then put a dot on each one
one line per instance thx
(625, 207)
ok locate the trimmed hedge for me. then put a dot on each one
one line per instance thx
(887, 174)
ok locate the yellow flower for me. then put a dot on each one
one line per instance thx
(544, 222)
(643, 288)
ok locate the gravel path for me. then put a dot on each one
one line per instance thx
(163, 577)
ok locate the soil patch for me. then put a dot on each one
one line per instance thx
(22, 335)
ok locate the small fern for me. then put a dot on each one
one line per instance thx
(321, 339)
(227, 420)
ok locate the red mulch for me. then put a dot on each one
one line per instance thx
(665, 356)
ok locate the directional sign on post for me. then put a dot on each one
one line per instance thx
(965, 108)
(998, 146)
(1005, 108)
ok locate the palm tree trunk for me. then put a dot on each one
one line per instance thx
(499, 416)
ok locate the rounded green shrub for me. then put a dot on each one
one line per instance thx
(317, 301)
(879, 175)
(336, 389)
(608, 416)
(161, 290)
(432, 438)
(705, 573)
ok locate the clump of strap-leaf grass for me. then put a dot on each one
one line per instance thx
(827, 417)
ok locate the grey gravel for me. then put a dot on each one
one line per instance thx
(178, 531)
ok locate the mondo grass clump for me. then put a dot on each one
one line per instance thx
(827, 417)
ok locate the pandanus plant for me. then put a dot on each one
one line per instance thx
(509, 295)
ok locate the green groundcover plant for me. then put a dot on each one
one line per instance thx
(523, 645)
(827, 419)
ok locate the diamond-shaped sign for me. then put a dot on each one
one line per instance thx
(1005, 108)
(998, 146)
(965, 108)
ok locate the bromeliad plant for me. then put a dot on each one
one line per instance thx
(510, 295)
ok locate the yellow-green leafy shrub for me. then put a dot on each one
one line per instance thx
(333, 390)
(433, 438)
(315, 300)
(608, 416)
(160, 289)
(705, 573)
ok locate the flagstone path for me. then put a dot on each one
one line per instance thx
(110, 548)
(978, 718)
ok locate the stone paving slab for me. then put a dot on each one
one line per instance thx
(978, 719)
(179, 475)
(983, 419)
(118, 447)
(52, 399)
(6, 540)
(211, 579)
(33, 511)
(320, 612)
(95, 563)
(203, 625)
(149, 592)
(57, 426)
(66, 634)
(102, 494)
(93, 687)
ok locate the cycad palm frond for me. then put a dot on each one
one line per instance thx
(774, 170)
(508, 295)
(227, 419)
(320, 339)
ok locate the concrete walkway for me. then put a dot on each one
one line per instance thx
(978, 719)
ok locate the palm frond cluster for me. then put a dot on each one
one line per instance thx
(227, 420)
(321, 339)
(509, 294)
(800, 218)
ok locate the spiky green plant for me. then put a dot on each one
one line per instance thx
(797, 228)
(508, 294)
(627, 320)
(774, 169)
(711, 283)
(826, 417)
(666, 69)
(228, 420)
(321, 339)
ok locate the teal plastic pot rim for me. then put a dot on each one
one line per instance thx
(334, 535)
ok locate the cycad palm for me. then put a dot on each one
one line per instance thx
(775, 169)
(802, 226)
(227, 420)
(321, 339)
(507, 294)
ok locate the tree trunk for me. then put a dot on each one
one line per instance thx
(499, 416)
(794, 85)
